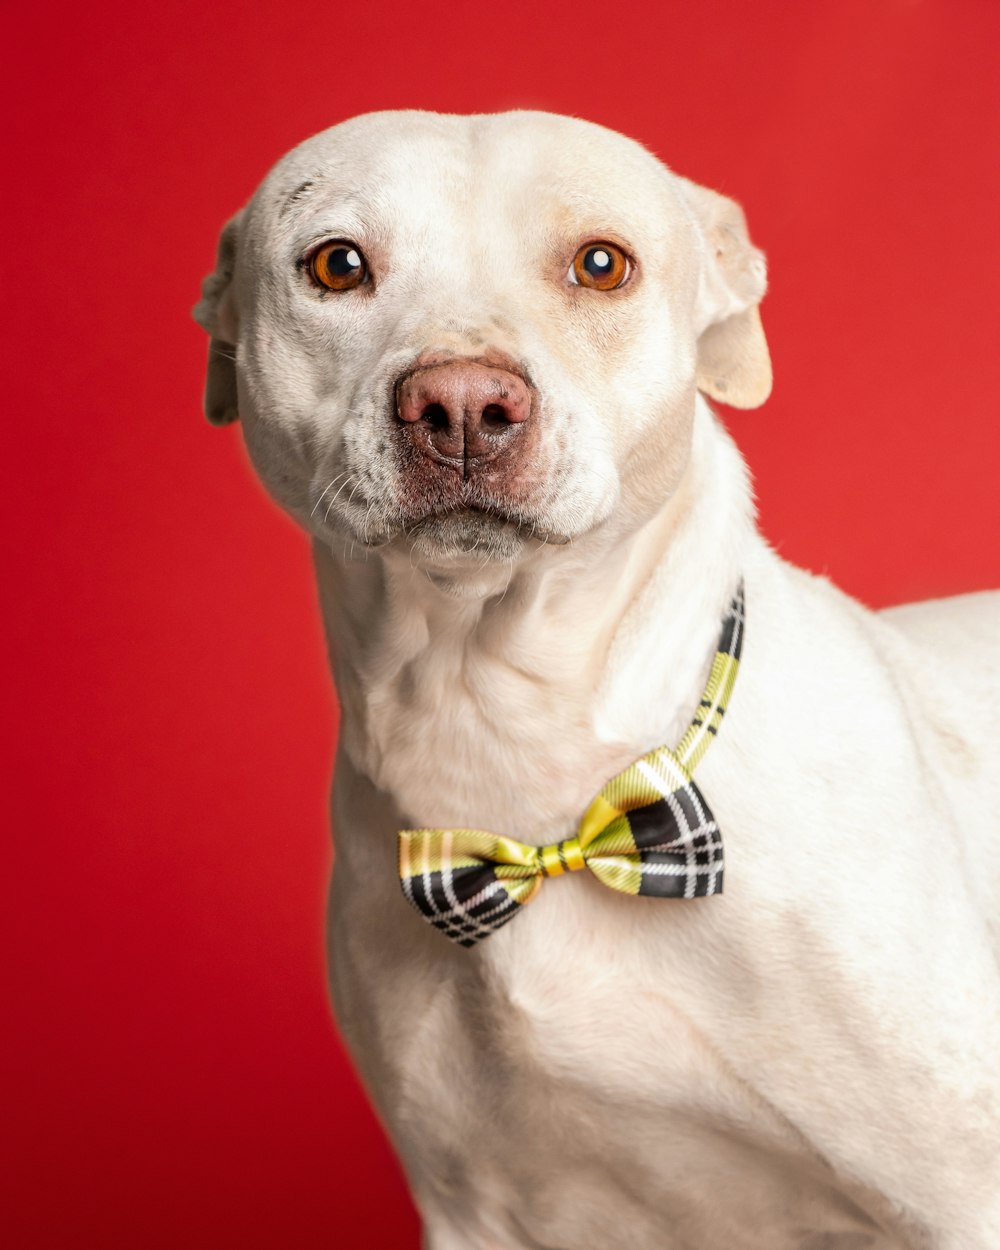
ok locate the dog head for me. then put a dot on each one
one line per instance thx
(463, 337)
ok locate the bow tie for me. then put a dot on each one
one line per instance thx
(649, 831)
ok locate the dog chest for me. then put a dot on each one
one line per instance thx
(555, 1101)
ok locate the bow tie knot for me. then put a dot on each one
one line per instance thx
(560, 857)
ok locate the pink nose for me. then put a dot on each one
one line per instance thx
(459, 410)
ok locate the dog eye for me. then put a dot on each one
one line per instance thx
(601, 266)
(339, 266)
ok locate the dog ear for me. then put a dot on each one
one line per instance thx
(216, 312)
(734, 366)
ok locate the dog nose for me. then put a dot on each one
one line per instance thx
(458, 411)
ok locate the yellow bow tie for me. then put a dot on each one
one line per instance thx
(649, 831)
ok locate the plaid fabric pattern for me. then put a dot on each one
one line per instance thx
(649, 831)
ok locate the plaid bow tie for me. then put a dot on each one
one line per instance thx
(649, 831)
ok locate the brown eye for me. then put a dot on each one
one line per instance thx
(601, 266)
(339, 266)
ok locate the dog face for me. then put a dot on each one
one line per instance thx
(464, 337)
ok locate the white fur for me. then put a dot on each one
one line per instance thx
(809, 1062)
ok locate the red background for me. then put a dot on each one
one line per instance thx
(175, 1078)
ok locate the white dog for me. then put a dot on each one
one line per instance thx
(470, 355)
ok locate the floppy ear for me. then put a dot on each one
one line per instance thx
(216, 313)
(733, 362)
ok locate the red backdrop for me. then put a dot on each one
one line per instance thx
(176, 1080)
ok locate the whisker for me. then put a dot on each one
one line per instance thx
(510, 578)
(326, 515)
(332, 484)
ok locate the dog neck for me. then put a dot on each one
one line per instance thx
(507, 697)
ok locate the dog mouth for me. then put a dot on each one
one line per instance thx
(475, 524)
(478, 529)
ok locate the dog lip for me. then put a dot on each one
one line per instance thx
(527, 527)
(461, 511)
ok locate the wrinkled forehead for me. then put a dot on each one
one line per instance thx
(383, 172)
